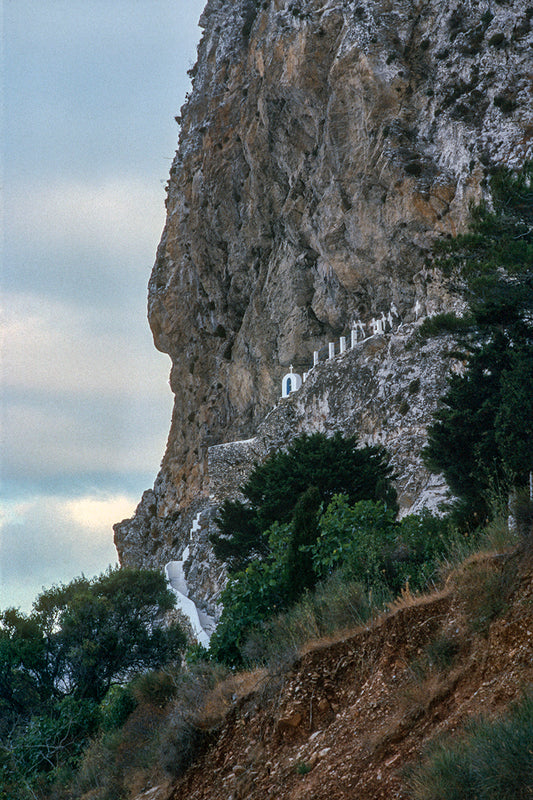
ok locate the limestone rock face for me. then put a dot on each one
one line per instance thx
(323, 148)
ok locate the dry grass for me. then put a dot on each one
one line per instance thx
(225, 695)
(482, 585)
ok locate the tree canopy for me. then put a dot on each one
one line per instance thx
(58, 663)
(267, 540)
(82, 637)
(482, 435)
(332, 465)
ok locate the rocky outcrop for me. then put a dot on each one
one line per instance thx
(383, 390)
(323, 148)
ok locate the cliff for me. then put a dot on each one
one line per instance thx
(323, 148)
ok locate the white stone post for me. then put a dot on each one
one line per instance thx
(354, 337)
(342, 344)
(315, 358)
(332, 349)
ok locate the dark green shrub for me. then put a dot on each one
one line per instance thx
(252, 596)
(187, 730)
(336, 604)
(357, 539)
(38, 752)
(332, 465)
(505, 102)
(483, 589)
(156, 687)
(438, 656)
(441, 652)
(403, 408)
(116, 707)
(368, 545)
(447, 322)
(181, 744)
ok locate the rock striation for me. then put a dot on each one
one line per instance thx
(324, 146)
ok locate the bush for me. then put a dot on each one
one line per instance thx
(331, 465)
(157, 687)
(356, 539)
(37, 753)
(363, 543)
(368, 545)
(116, 707)
(252, 596)
(483, 586)
(447, 322)
(187, 730)
(491, 759)
(335, 605)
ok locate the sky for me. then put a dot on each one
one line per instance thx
(88, 136)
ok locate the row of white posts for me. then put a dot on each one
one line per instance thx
(384, 324)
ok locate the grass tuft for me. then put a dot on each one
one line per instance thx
(491, 759)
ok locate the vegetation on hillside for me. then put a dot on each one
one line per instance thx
(274, 492)
(99, 695)
(272, 541)
(58, 664)
(492, 758)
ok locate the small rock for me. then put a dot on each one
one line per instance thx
(291, 720)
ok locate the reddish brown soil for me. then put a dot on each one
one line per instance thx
(352, 713)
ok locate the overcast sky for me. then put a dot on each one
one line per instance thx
(91, 91)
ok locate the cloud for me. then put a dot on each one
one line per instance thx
(64, 442)
(93, 89)
(79, 399)
(54, 347)
(108, 212)
(48, 540)
(89, 242)
(94, 513)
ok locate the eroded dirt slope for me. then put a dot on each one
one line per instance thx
(352, 713)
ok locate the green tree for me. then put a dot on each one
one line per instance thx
(57, 664)
(481, 435)
(514, 418)
(356, 538)
(84, 636)
(24, 684)
(301, 573)
(267, 540)
(252, 596)
(367, 544)
(332, 465)
(493, 261)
